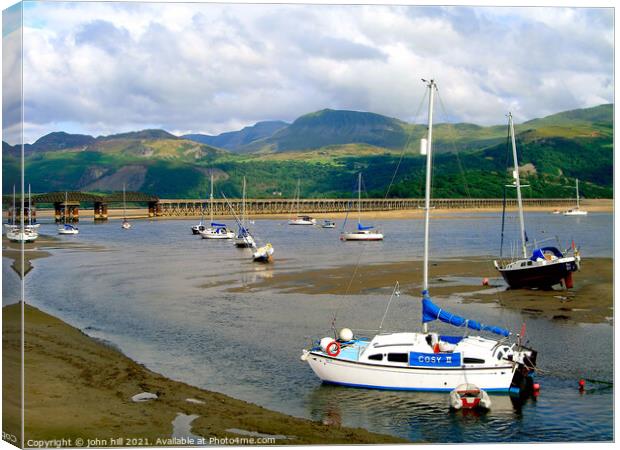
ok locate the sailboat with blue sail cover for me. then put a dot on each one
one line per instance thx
(215, 230)
(547, 266)
(362, 233)
(424, 360)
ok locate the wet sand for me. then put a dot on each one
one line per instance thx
(590, 300)
(77, 387)
(37, 249)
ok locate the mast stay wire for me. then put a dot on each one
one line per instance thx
(489, 265)
(365, 244)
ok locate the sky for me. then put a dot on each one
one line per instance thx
(103, 68)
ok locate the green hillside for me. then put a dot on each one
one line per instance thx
(470, 160)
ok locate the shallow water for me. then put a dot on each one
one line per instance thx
(157, 294)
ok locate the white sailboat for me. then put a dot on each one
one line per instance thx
(263, 254)
(244, 237)
(125, 225)
(215, 230)
(423, 360)
(362, 233)
(300, 219)
(576, 211)
(15, 232)
(67, 228)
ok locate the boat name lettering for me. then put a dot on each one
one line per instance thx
(434, 359)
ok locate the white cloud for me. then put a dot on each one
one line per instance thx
(99, 68)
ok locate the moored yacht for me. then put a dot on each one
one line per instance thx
(362, 232)
(215, 230)
(546, 266)
(424, 361)
(576, 211)
(300, 219)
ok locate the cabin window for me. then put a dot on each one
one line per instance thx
(377, 357)
(473, 361)
(522, 264)
(398, 357)
(529, 263)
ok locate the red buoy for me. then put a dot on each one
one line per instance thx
(536, 387)
(485, 281)
(582, 385)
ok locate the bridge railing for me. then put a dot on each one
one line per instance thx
(184, 207)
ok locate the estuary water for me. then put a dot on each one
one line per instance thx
(164, 298)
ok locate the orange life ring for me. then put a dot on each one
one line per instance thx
(330, 345)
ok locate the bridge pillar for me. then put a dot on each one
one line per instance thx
(153, 208)
(101, 211)
(72, 208)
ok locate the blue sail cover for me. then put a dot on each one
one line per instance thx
(220, 225)
(362, 227)
(431, 312)
(539, 253)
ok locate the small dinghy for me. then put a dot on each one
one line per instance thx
(263, 254)
(67, 228)
(328, 224)
(469, 396)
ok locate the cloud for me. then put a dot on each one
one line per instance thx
(104, 67)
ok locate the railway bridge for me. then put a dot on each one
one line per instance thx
(184, 207)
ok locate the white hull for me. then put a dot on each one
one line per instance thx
(360, 236)
(65, 231)
(21, 236)
(263, 254)
(575, 212)
(247, 241)
(302, 222)
(212, 233)
(125, 225)
(355, 374)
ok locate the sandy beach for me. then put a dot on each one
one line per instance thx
(79, 388)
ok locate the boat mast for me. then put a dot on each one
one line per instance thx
(298, 194)
(211, 198)
(14, 208)
(124, 205)
(29, 207)
(515, 174)
(432, 86)
(359, 199)
(577, 189)
(65, 208)
(243, 205)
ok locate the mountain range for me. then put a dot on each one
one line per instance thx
(325, 149)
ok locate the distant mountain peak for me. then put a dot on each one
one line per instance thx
(142, 134)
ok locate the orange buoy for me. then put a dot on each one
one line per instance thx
(485, 281)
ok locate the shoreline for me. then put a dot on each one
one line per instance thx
(80, 388)
(593, 205)
(590, 301)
